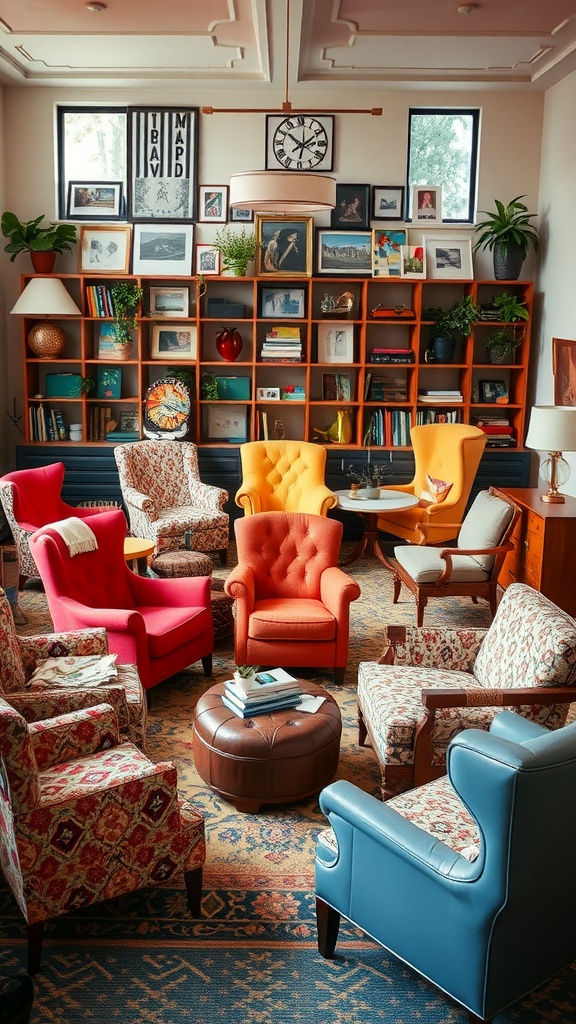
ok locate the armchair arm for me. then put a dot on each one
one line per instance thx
(35, 705)
(320, 500)
(448, 553)
(421, 645)
(143, 502)
(207, 496)
(248, 497)
(510, 726)
(187, 591)
(75, 643)
(337, 591)
(74, 735)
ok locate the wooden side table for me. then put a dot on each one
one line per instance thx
(136, 551)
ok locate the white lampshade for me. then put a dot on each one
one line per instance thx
(282, 191)
(46, 296)
(552, 428)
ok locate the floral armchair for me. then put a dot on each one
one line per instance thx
(85, 817)
(433, 682)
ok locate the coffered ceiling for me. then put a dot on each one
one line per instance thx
(241, 44)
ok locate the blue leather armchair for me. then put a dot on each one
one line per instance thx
(456, 897)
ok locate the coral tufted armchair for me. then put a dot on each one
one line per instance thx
(284, 476)
(292, 600)
(85, 817)
(167, 502)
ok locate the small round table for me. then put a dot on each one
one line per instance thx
(136, 551)
(371, 509)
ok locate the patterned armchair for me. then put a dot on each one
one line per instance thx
(434, 682)
(85, 817)
(284, 476)
(167, 502)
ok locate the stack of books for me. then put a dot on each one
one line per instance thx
(387, 389)
(391, 355)
(443, 396)
(261, 693)
(499, 432)
(282, 345)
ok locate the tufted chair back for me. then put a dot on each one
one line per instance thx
(284, 476)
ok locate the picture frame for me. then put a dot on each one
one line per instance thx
(162, 163)
(387, 202)
(352, 210)
(236, 214)
(284, 245)
(283, 302)
(105, 249)
(163, 249)
(413, 261)
(336, 342)
(387, 251)
(95, 200)
(227, 423)
(128, 420)
(564, 370)
(426, 205)
(213, 204)
(170, 303)
(207, 260)
(173, 341)
(448, 256)
(343, 252)
(106, 341)
(336, 387)
(299, 142)
(494, 392)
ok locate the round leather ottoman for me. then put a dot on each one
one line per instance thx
(268, 759)
(182, 563)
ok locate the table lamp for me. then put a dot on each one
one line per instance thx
(46, 296)
(553, 429)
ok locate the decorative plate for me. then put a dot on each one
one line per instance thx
(166, 409)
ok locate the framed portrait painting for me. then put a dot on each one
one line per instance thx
(213, 204)
(284, 245)
(343, 252)
(426, 207)
(162, 162)
(448, 256)
(352, 208)
(173, 341)
(564, 370)
(95, 200)
(164, 249)
(387, 202)
(105, 250)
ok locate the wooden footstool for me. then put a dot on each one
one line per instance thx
(268, 759)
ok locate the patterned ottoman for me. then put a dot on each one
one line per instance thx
(182, 563)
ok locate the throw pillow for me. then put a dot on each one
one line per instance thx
(434, 492)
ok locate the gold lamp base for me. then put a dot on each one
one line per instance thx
(555, 471)
(553, 498)
(46, 339)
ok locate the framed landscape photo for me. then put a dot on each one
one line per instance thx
(352, 208)
(448, 256)
(494, 392)
(387, 202)
(164, 249)
(213, 204)
(95, 200)
(386, 251)
(162, 163)
(283, 302)
(284, 245)
(169, 302)
(227, 423)
(105, 249)
(343, 252)
(174, 341)
(336, 343)
(564, 370)
(208, 259)
(426, 205)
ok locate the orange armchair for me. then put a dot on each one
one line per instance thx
(284, 476)
(292, 600)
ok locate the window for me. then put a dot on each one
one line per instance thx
(92, 147)
(443, 150)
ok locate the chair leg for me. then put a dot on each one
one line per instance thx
(35, 936)
(362, 730)
(397, 589)
(328, 923)
(339, 674)
(421, 603)
(193, 883)
(207, 665)
(223, 555)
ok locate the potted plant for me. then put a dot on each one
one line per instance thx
(502, 342)
(368, 481)
(126, 299)
(42, 241)
(238, 249)
(458, 319)
(508, 233)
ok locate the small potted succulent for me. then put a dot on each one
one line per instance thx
(42, 241)
(366, 482)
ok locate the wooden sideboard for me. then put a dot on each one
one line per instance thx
(544, 554)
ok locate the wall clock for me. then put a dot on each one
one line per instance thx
(299, 142)
(166, 409)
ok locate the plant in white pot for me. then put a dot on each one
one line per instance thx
(238, 249)
(508, 234)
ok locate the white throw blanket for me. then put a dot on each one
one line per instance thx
(76, 534)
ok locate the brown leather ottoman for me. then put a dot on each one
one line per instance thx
(268, 759)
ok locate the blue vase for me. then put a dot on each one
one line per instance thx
(441, 349)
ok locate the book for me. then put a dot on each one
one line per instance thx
(260, 698)
(262, 682)
(263, 709)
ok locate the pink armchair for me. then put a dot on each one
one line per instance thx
(159, 625)
(292, 600)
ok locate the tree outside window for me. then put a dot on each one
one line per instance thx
(443, 150)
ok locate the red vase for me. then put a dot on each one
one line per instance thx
(229, 343)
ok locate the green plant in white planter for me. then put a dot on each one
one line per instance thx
(238, 249)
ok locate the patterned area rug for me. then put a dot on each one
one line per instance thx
(252, 957)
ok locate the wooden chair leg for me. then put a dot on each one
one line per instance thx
(362, 730)
(397, 589)
(339, 674)
(193, 883)
(328, 923)
(421, 603)
(35, 936)
(207, 665)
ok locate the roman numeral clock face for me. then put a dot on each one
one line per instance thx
(299, 142)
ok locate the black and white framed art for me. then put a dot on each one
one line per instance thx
(163, 159)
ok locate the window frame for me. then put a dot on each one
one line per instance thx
(474, 113)
(62, 185)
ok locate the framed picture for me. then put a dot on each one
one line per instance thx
(163, 249)
(386, 251)
(387, 202)
(352, 208)
(162, 163)
(564, 370)
(495, 392)
(176, 341)
(169, 302)
(128, 420)
(106, 340)
(412, 261)
(426, 205)
(208, 259)
(227, 423)
(246, 216)
(299, 142)
(95, 200)
(284, 245)
(105, 250)
(343, 252)
(448, 256)
(336, 343)
(213, 204)
(283, 302)
(336, 387)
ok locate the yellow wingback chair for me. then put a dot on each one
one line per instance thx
(284, 476)
(445, 451)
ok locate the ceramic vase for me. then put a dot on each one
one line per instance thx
(229, 344)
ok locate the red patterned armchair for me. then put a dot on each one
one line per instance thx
(85, 817)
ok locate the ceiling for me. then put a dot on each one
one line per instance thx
(241, 44)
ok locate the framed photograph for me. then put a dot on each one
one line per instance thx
(426, 205)
(343, 252)
(106, 340)
(105, 250)
(412, 261)
(169, 302)
(213, 204)
(386, 251)
(208, 259)
(162, 163)
(387, 202)
(564, 370)
(227, 423)
(174, 341)
(336, 387)
(128, 420)
(164, 249)
(352, 208)
(246, 216)
(284, 245)
(299, 142)
(336, 343)
(283, 302)
(448, 256)
(495, 392)
(95, 200)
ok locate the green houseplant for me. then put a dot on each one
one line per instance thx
(508, 234)
(458, 319)
(126, 299)
(502, 342)
(238, 249)
(40, 240)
